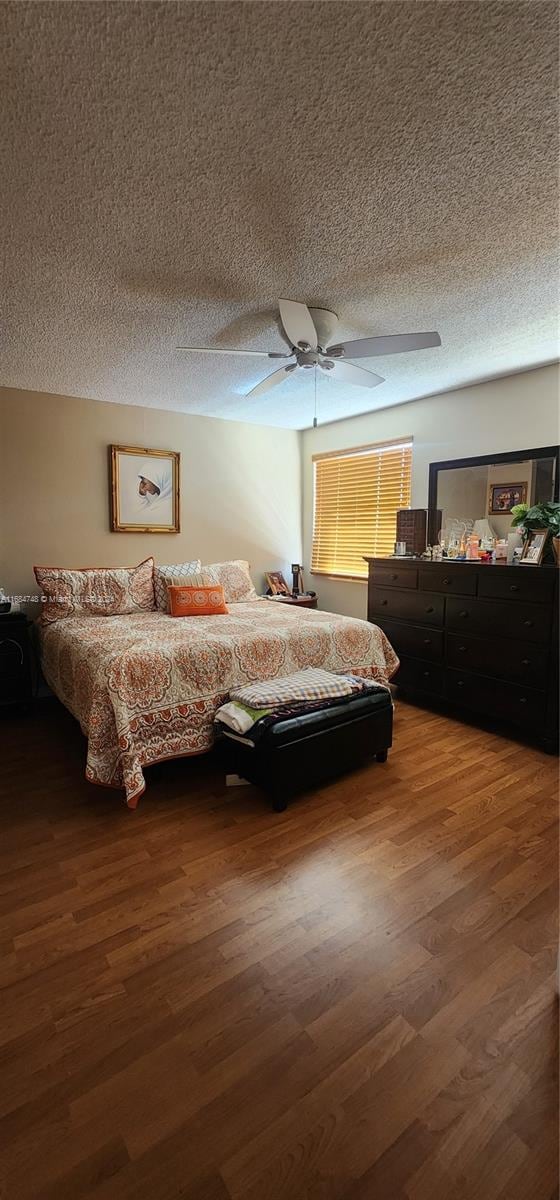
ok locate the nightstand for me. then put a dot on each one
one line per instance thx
(302, 601)
(15, 660)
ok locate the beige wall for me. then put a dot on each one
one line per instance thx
(240, 487)
(513, 413)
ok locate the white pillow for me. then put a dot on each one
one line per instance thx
(235, 579)
(174, 574)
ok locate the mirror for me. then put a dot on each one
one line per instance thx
(482, 491)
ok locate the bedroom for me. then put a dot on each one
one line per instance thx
(202, 997)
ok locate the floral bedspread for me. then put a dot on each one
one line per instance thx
(145, 687)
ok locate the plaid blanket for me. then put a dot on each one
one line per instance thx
(310, 684)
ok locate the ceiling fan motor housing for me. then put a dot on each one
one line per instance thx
(307, 358)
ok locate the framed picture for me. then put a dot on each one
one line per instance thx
(276, 584)
(533, 548)
(144, 490)
(503, 496)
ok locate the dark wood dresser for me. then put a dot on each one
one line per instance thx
(483, 636)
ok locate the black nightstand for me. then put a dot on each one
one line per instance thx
(16, 686)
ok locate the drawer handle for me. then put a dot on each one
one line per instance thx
(427, 641)
(462, 649)
(393, 576)
(383, 603)
(426, 674)
(514, 587)
(446, 581)
(430, 608)
(463, 613)
(529, 624)
(522, 699)
(460, 683)
(525, 662)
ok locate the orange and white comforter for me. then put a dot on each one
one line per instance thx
(145, 687)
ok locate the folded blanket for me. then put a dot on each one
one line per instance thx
(239, 717)
(311, 684)
(252, 734)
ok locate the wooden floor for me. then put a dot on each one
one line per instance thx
(353, 1000)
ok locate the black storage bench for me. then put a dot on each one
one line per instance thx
(301, 752)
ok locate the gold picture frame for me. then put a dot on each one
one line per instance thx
(144, 490)
(503, 497)
(276, 584)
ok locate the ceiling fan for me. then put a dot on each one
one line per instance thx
(309, 332)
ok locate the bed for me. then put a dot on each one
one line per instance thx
(145, 686)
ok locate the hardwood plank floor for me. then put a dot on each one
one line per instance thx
(352, 1000)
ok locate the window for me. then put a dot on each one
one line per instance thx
(356, 497)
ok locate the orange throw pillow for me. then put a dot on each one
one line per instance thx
(197, 601)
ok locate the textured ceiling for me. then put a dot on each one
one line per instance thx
(174, 168)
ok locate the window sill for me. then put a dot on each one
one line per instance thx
(340, 578)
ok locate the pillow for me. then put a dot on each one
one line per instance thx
(235, 579)
(95, 591)
(197, 601)
(163, 576)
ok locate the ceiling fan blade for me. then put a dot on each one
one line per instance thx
(221, 350)
(346, 372)
(298, 323)
(391, 343)
(272, 380)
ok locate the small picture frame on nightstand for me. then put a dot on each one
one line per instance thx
(276, 584)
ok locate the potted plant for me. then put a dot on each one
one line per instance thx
(540, 516)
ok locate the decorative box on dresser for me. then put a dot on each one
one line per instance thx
(480, 635)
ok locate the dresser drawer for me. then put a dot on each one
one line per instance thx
(423, 608)
(529, 622)
(12, 655)
(416, 640)
(495, 698)
(402, 577)
(518, 583)
(420, 676)
(14, 689)
(459, 580)
(521, 662)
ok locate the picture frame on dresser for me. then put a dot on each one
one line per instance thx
(534, 547)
